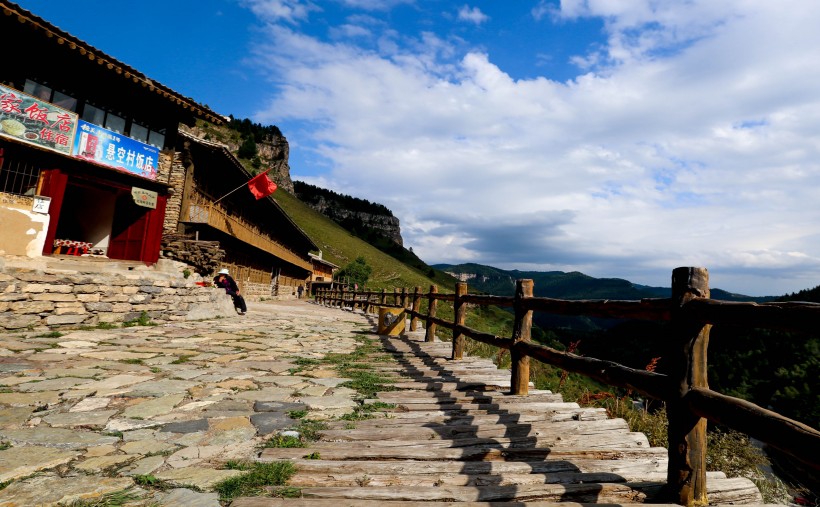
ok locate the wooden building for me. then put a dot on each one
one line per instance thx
(322, 275)
(265, 251)
(83, 140)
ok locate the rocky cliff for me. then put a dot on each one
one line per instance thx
(384, 225)
(273, 150)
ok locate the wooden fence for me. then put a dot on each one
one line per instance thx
(683, 387)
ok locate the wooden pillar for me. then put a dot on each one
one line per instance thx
(432, 303)
(396, 296)
(686, 475)
(522, 331)
(414, 320)
(404, 297)
(383, 300)
(341, 301)
(460, 311)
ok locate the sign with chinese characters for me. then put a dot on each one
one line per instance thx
(115, 150)
(30, 120)
(41, 204)
(144, 197)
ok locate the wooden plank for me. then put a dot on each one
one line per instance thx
(340, 502)
(628, 468)
(420, 418)
(356, 452)
(444, 431)
(602, 493)
(611, 441)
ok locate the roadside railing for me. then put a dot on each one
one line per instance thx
(683, 386)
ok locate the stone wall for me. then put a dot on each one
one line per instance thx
(50, 298)
(171, 170)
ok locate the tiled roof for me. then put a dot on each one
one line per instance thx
(8, 9)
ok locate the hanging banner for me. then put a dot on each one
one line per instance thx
(143, 197)
(30, 120)
(115, 150)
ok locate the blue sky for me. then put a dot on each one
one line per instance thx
(619, 139)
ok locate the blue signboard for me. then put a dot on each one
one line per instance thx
(115, 150)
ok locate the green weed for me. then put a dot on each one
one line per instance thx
(256, 481)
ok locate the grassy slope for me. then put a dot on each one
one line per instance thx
(340, 247)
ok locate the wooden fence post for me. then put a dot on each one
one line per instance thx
(414, 320)
(686, 475)
(430, 335)
(383, 300)
(342, 298)
(396, 296)
(522, 331)
(459, 310)
(404, 297)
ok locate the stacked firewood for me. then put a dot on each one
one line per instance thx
(204, 257)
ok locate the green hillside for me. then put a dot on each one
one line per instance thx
(341, 247)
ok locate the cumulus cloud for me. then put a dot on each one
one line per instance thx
(472, 15)
(291, 11)
(689, 140)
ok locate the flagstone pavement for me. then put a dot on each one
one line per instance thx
(83, 412)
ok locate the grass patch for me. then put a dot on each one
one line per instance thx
(284, 442)
(5, 445)
(147, 480)
(363, 412)
(297, 414)
(132, 361)
(51, 334)
(260, 479)
(115, 499)
(181, 360)
(143, 320)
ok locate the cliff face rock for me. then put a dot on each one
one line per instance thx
(385, 225)
(273, 151)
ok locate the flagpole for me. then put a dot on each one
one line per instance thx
(240, 186)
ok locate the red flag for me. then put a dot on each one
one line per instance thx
(261, 186)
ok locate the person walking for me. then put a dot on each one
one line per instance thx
(223, 279)
(299, 291)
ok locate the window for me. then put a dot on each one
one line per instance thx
(139, 132)
(65, 101)
(18, 176)
(44, 92)
(157, 139)
(38, 90)
(93, 114)
(97, 115)
(115, 123)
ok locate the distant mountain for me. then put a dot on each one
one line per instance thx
(572, 285)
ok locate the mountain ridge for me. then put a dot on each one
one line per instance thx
(569, 285)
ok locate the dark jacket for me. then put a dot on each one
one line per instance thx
(227, 283)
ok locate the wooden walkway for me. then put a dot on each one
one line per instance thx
(454, 436)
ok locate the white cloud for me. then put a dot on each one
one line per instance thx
(291, 11)
(472, 15)
(692, 141)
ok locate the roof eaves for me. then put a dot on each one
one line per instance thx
(120, 68)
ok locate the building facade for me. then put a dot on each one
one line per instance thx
(81, 151)
(265, 251)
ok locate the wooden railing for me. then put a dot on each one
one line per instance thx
(201, 210)
(683, 387)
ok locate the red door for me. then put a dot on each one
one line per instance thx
(54, 183)
(136, 232)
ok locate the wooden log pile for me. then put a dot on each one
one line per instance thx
(205, 257)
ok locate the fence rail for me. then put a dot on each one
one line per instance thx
(683, 388)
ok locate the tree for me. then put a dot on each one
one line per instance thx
(248, 149)
(357, 272)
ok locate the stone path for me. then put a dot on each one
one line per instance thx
(87, 413)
